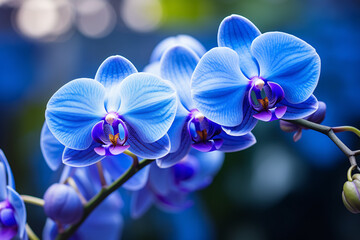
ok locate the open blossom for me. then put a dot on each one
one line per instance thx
(12, 208)
(190, 127)
(115, 166)
(253, 76)
(119, 110)
(170, 188)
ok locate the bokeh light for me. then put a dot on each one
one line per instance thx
(141, 15)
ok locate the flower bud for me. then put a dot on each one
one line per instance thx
(351, 194)
(8, 223)
(63, 204)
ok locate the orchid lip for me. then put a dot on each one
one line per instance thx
(112, 134)
(203, 132)
(263, 97)
(7, 217)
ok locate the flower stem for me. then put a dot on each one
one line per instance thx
(30, 233)
(347, 129)
(330, 132)
(33, 200)
(101, 174)
(104, 192)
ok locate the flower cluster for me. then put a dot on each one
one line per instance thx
(184, 111)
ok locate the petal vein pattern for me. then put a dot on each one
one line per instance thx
(148, 104)
(73, 110)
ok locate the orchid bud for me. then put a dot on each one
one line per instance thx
(351, 194)
(63, 204)
(8, 223)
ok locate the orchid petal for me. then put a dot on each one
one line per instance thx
(177, 126)
(113, 70)
(184, 40)
(141, 202)
(160, 180)
(81, 158)
(118, 165)
(219, 87)
(237, 33)
(148, 104)
(73, 110)
(248, 123)
(3, 193)
(177, 65)
(288, 61)
(9, 174)
(148, 150)
(301, 110)
(174, 157)
(20, 213)
(236, 143)
(51, 148)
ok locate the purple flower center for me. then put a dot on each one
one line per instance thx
(263, 97)
(204, 133)
(111, 133)
(8, 223)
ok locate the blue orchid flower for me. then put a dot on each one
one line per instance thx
(169, 188)
(253, 76)
(12, 208)
(191, 128)
(115, 166)
(169, 42)
(105, 220)
(119, 110)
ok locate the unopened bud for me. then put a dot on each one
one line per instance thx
(63, 204)
(351, 193)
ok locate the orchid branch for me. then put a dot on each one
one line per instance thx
(103, 194)
(330, 132)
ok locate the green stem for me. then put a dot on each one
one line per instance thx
(30, 233)
(347, 129)
(104, 192)
(328, 131)
(33, 200)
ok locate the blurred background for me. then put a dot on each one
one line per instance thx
(277, 189)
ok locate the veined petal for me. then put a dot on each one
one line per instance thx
(301, 110)
(174, 157)
(177, 65)
(113, 70)
(3, 193)
(248, 123)
(288, 61)
(73, 110)
(9, 174)
(141, 201)
(51, 148)
(161, 180)
(118, 165)
(218, 87)
(177, 127)
(148, 104)
(148, 150)
(81, 158)
(236, 143)
(237, 33)
(20, 212)
(184, 40)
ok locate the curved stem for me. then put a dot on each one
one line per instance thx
(328, 131)
(33, 200)
(349, 173)
(30, 233)
(104, 192)
(347, 129)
